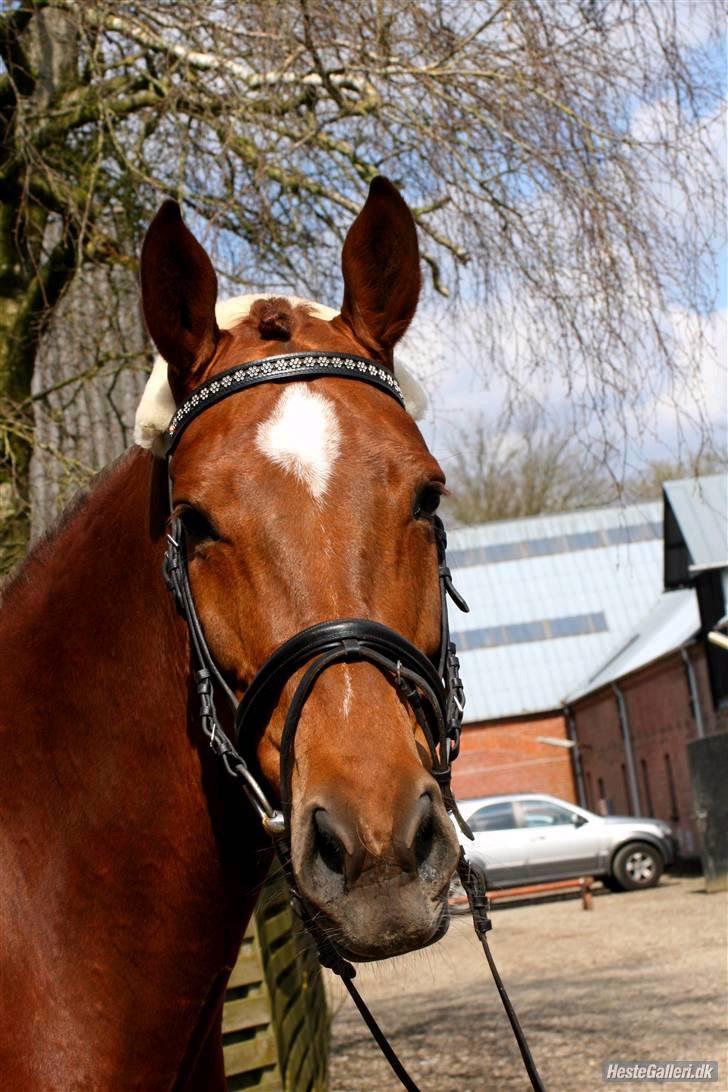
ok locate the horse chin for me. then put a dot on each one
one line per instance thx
(364, 933)
(355, 955)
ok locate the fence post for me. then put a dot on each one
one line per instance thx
(275, 1020)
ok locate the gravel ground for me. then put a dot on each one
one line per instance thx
(641, 976)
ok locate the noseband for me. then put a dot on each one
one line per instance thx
(433, 690)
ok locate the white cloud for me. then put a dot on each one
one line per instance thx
(662, 413)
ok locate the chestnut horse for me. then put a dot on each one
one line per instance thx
(130, 862)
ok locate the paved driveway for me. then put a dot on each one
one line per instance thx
(643, 975)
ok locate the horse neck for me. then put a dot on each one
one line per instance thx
(125, 848)
(97, 655)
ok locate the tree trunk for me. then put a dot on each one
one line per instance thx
(16, 430)
(37, 250)
(90, 370)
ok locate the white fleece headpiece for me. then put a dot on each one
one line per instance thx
(157, 404)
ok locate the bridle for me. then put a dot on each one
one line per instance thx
(433, 690)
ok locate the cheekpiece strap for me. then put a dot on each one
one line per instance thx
(285, 368)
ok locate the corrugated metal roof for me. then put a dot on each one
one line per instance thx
(671, 623)
(601, 563)
(700, 507)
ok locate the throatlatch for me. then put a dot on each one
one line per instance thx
(435, 693)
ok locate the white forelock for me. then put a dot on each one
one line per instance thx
(157, 404)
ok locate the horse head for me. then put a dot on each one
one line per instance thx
(304, 502)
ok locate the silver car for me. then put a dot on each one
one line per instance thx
(529, 838)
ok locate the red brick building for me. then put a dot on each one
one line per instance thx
(668, 685)
(658, 706)
(550, 598)
(511, 756)
(589, 679)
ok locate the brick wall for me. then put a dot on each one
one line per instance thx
(661, 724)
(506, 756)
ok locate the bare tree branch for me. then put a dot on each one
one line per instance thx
(560, 159)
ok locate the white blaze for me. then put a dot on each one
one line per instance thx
(302, 436)
(348, 694)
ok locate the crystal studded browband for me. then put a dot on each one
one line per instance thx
(290, 366)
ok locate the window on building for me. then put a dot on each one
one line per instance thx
(493, 817)
(590, 802)
(674, 813)
(605, 806)
(646, 784)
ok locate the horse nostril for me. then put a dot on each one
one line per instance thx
(425, 834)
(327, 843)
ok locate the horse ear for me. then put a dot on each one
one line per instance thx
(381, 267)
(179, 291)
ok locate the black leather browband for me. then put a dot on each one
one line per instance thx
(283, 369)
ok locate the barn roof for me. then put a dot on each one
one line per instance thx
(551, 598)
(696, 527)
(670, 624)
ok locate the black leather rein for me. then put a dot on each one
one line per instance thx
(434, 692)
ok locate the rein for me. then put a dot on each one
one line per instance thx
(434, 692)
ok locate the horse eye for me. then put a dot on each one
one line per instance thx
(198, 527)
(427, 501)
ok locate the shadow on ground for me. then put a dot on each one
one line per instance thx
(641, 976)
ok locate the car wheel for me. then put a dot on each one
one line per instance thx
(637, 865)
